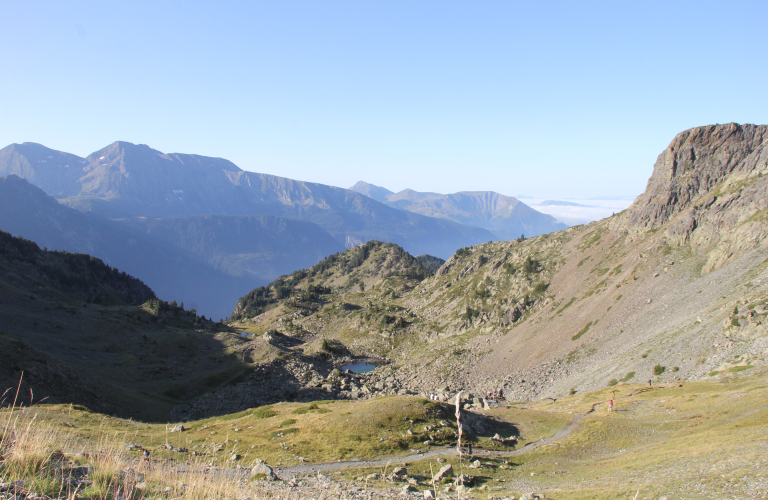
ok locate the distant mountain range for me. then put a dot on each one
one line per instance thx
(201, 230)
(128, 180)
(506, 217)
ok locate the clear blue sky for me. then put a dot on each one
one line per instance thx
(549, 99)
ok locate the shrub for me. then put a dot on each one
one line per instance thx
(462, 252)
(613, 382)
(658, 369)
(264, 412)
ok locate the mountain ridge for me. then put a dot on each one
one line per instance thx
(127, 180)
(505, 216)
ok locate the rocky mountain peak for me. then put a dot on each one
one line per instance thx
(378, 193)
(695, 162)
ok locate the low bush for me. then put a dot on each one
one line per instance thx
(264, 412)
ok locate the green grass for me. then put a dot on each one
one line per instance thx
(685, 430)
(629, 376)
(662, 442)
(567, 305)
(582, 331)
(737, 369)
(264, 412)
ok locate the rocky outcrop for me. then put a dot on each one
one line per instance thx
(709, 188)
(694, 163)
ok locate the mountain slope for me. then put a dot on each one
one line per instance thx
(361, 268)
(505, 216)
(55, 172)
(674, 288)
(75, 330)
(127, 180)
(175, 274)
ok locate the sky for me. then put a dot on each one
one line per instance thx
(553, 100)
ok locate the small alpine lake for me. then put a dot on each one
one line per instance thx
(363, 367)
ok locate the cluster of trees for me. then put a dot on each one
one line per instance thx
(463, 252)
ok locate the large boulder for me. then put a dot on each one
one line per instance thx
(260, 469)
(445, 471)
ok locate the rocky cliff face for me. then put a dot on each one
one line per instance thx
(709, 188)
(694, 164)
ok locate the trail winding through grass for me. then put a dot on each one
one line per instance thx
(286, 472)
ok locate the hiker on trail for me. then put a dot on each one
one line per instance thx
(610, 406)
(649, 382)
(146, 455)
(501, 394)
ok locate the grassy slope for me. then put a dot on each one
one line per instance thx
(698, 440)
(701, 440)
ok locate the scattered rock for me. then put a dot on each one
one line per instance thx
(444, 472)
(464, 480)
(261, 468)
